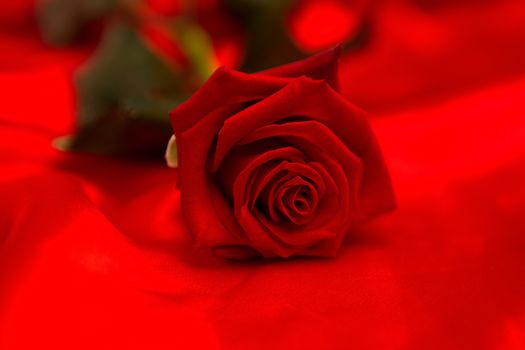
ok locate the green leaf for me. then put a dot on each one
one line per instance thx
(197, 46)
(125, 93)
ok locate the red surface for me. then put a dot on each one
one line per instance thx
(93, 252)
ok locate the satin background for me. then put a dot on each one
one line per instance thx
(94, 252)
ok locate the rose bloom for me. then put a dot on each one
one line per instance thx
(277, 163)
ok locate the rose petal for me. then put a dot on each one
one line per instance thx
(323, 66)
(287, 196)
(246, 160)
(270, 245)
(223, 88)
(226, 86)
(211, 221)
(291, 168)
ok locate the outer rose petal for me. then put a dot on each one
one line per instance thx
(206, 211)
(323, 66)
(226, 86)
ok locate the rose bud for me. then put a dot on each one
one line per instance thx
(277, 163)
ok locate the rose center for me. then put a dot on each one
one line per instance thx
(295, 200)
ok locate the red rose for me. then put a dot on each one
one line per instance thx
(277, 163)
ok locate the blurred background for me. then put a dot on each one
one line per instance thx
(131, 61)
